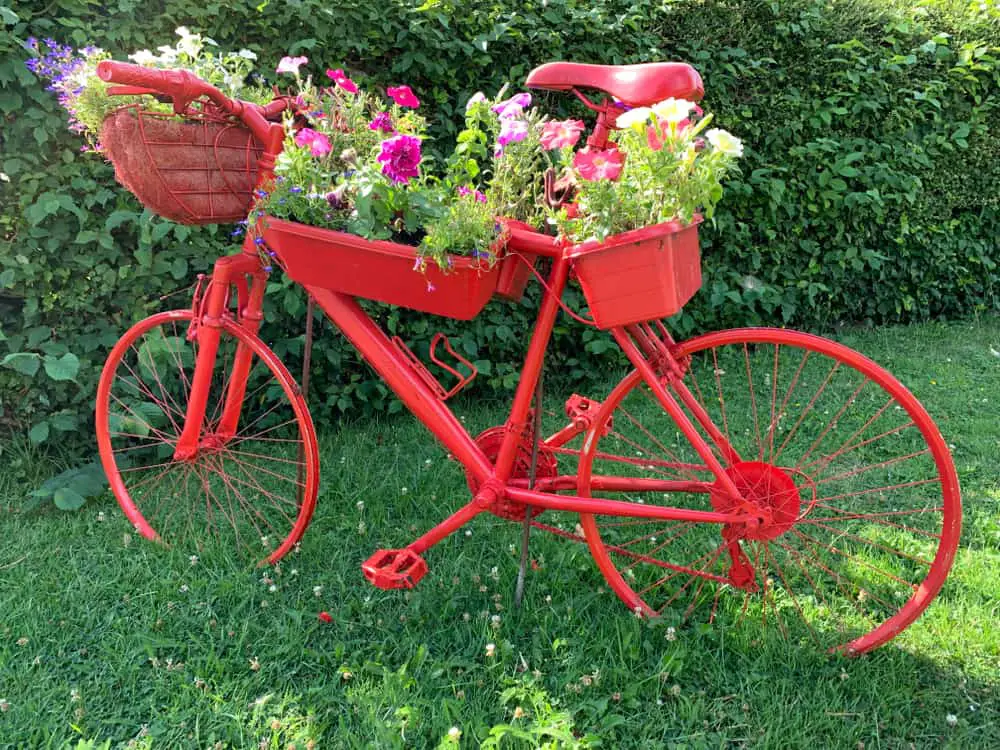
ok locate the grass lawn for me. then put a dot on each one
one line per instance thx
(107, 638)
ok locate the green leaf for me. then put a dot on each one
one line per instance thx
(65, 367)
(63, 421)
(118, 218)
(8, 16)
(25, 363)
(39, 433)
(66, 498)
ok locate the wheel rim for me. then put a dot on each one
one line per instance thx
(848, 562)
(252, 492)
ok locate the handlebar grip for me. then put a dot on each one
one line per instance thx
(179, 84)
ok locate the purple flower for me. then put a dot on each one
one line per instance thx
(514, 107)
(511, 131)
(400, 157)
(382, 123)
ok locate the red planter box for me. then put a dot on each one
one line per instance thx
(378, 270)
(644, 274)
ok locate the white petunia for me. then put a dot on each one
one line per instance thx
(673, 110)
(635, 118)
(142, 57)
(725, 142)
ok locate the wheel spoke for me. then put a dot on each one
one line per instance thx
(854, 502)
(233, 491)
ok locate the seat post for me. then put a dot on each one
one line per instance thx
(607, 113)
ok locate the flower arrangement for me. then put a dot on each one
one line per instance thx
(72, 75)
(660, 168)
(355, 162)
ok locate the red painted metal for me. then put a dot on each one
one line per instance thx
(790, 510)
(241, 504)
(635, 85)
(394, 568)
(379, 270)
(631, 278)
(639, 275)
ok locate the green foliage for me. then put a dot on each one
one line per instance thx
(870, 189)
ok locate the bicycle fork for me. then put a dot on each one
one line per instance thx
(211, 314)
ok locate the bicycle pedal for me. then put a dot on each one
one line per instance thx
(394, 568)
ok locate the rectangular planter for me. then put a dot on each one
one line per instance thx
(640, 275)
(379, 270)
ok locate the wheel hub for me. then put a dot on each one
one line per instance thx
(767, 489)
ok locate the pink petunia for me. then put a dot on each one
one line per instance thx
(338, 77)
(400, 157)
(291, 64)
(403, 96)
(599, 165)
(561, 134)
(478, 98)
(467, 191)
(318, 144)
(382, 123)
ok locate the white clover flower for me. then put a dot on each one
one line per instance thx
(951, 720)
(491, 649)
(725, 142)
(454, 733)
(673, 110)
(317, 591)
(636, 118)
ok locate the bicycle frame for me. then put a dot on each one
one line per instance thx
(645, 349)
(648, 351)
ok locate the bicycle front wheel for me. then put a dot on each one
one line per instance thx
(857, 483)
(250, 488)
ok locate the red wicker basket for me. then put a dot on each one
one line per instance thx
(197, 170)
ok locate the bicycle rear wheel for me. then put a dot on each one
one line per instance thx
(862, 492)
(252, 492)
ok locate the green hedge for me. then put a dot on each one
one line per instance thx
(869, 191)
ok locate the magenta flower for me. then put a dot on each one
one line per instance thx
(561, 134)
(318, 144)
(466, 191)
(511, 109)
(382, 123)
(403, 96)
(400, 157)
(338, 77)
(291, 65)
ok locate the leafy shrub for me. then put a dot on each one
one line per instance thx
(870, 189)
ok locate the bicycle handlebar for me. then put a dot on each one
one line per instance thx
(184, 87)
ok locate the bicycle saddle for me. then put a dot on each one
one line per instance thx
(635, 85)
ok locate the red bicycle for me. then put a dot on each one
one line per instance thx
(759, 472)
